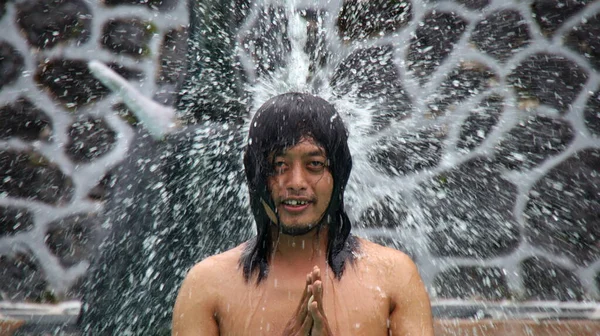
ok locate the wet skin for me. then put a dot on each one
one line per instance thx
(381, 293)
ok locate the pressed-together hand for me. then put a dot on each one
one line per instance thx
(309, 318)
(320, 325)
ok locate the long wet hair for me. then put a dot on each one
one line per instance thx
(280, 123)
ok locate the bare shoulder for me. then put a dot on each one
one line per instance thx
(395, 265)
(213, 268)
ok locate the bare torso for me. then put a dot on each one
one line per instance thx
(360, 303)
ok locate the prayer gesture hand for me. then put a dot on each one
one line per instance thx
(309, 319)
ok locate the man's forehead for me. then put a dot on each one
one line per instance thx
(311, 146)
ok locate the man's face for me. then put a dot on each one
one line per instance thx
(301, 186)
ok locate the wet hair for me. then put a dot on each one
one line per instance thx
(280, 123)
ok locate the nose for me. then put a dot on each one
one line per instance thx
(295, 178)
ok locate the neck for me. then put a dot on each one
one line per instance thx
(309, 249)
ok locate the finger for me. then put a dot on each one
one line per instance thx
(318, 294)
(316, 315)
(307, 325)
(305, 294)
(315, 274)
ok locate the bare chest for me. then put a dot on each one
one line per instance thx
(352, 307)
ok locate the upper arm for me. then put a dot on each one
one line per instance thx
(195, 307)
(412, 309)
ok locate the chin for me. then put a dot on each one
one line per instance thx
(298, 229)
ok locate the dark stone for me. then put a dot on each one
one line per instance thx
(371, 74)
(389, 212)
(360, 19)
(474, 4)
(534, 140)
(214, 83)
(100, 191)
(13, 221)
(541, 76)
(584, 40)
(591, 113)
(90, 138)
(71, 82)
(47, 23)
(316, 46)
(463, 82)
(167, 212)
(480, 123)
(544, 280)
(409, 153)
(172, 57)
(434, 40)
(161, 5)
(563, 210)
(472, 283)
(470, 211)
(29, 175)
(21, 279)
(128, 36)
(550, 14)
(76, 238)
(267, 40)
(24, 120)
(126, 114)
(11, 64)
(501, 34)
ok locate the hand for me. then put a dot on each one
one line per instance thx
(320, 325)
(301, 322)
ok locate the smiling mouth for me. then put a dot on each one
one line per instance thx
(294, 202)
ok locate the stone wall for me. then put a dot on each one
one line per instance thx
(486, 127)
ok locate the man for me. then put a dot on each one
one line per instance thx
(303, 273)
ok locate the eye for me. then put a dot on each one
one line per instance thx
(279, 166)
(316, 165)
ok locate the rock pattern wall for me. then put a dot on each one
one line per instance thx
(485, 143)
(62, 132)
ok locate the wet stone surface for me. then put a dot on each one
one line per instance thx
(47, 23)
(434, 40)
(541, 76)
(13, 221)
(501, 34)
(372, 75)
(21, 279)
(389, 212)
(484, 283)
(28, 175)
(359, 19)
(547, 281)
(90, 138)
(161, 5)
(409, 153)
(534, 140)
(480, 122)
(460, 206)
(467, 80)
(267, 41)
(128, 36)
(583, 39)
(71, 83)
(563, 211)
(172, 57)
(25, 121)
(76, 238)
(11, 64)
(591, 113)
(550, 14)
